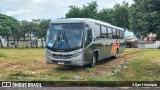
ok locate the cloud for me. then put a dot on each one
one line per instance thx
(12, 13)
(128, 33)
(38, 1)
(34, 9)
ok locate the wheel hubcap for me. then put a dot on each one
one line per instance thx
(116, 54)
(94, 60)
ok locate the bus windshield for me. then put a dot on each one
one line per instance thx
(65, 36)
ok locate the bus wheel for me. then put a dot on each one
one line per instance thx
(93, 61)
(116, 56)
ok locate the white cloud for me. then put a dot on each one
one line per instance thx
(12, 13)
(38, 1)
(34, 9)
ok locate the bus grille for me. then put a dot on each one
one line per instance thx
(62, 56)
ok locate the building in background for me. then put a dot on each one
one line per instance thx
(130, 40)
(149, 42)
(3, 42)
(28, 42)
(146, 42)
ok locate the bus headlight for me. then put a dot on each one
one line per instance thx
(76, 54)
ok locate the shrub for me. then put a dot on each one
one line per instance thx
(2, 54)
(64, 77)
(20, 73)
(22, 46)
(158, 47)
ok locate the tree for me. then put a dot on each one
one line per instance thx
(28, 30)
(18, 34)
(32, 28)
(105, 15)
(7, 26)
(121, 15)
(87, 11)
(118, 16)
(42, 29)
(74, 12)
(145, 17)
(24, 28)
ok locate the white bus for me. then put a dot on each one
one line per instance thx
(82, 41)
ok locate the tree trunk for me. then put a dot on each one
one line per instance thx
(7, 41)
(158, 37)
(42, 42)
(17, 43)
(30, 41)
(1, 43)
(24, 37)
(14, 44)
(36, 43)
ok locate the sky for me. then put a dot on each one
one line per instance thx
(128, 33)
(47, 9)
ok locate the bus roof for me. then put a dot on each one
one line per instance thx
(84, 20)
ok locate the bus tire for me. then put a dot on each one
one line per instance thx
(116, 56)
(93, 61)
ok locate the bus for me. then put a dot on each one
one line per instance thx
(82, 41)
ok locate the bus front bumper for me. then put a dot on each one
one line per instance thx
(74, 61)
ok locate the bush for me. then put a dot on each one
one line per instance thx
(20, 73)
(158, 47)
(22, 46)
(2, 54)
(64, 77)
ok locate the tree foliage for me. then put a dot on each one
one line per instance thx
(11, 27)
(118, 15)
(87, 11)
(73, 12)
(142, 18)
(121, 15)
(105, 15)
(7, 25)
(145, 17)
(42, 29)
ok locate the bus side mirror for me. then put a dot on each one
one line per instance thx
(89, 34)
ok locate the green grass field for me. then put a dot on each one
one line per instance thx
(30, 65)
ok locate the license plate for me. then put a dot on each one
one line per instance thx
(61, 63)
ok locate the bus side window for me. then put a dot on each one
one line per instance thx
(97, 31)
(118, 34)
(109, 32)
(89, 34)
(122, 34)
(103, 32)
(114, 33)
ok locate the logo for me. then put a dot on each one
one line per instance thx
(6, 84)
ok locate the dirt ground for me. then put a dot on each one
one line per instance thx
(26, 67)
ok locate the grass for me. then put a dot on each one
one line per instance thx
(29, 65)
(20, 73)
(2, 54)
(64, 77)
(143, 68)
